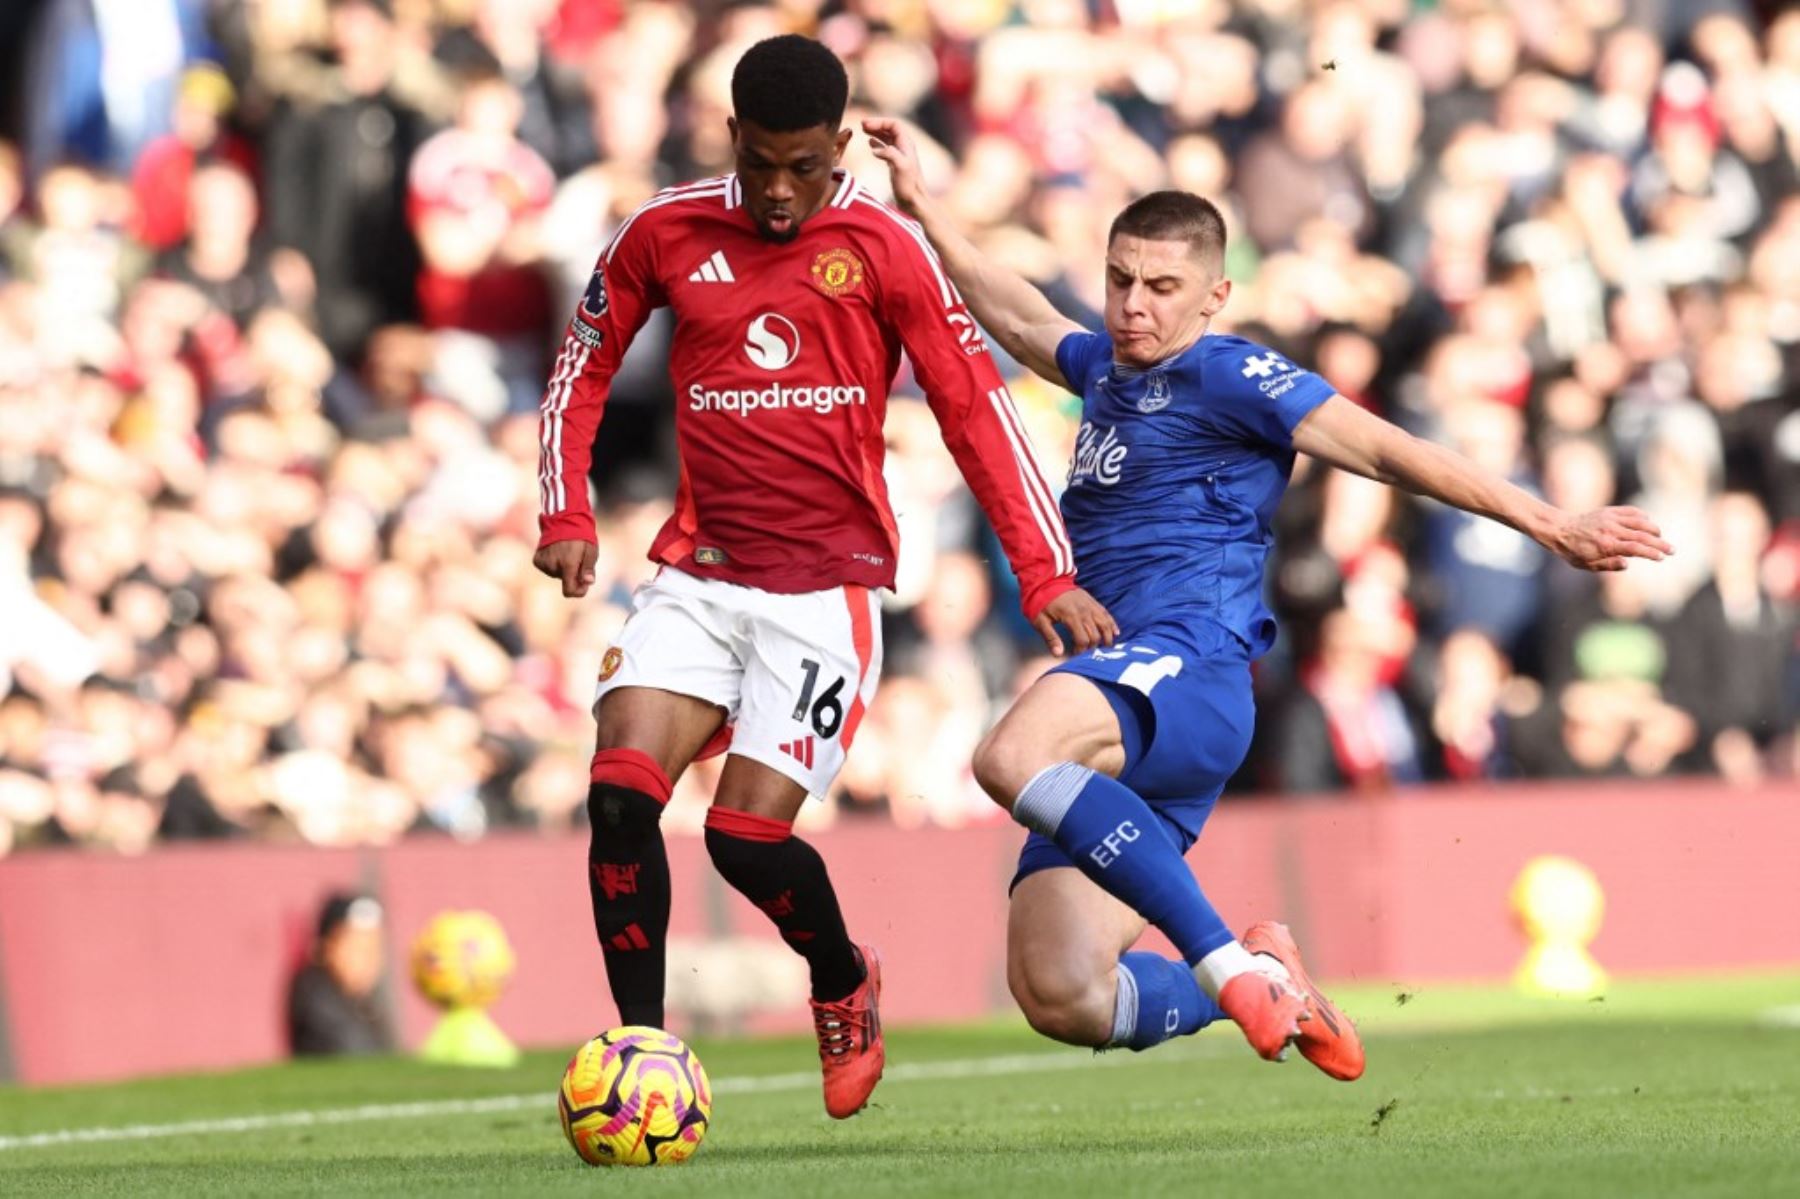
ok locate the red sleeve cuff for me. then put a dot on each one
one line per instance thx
(566, 526)
(1039, 597)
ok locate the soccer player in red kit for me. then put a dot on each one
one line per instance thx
(794, 293)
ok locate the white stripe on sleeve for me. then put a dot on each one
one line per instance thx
(1031, 475)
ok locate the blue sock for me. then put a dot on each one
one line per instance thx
(1159, 1000)
(1114, 838)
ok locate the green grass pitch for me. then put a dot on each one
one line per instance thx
(1673, 1088)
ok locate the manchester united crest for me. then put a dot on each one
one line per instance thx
(610, 663)
(837, 272)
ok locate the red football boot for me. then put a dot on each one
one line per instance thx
(850, 1046)
(1328, 1040)
(1267, 1009)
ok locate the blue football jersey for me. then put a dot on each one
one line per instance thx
(1177, 472)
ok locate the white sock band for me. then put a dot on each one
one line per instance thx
(1222, 965)
(1268, 963)
(1047, 798)
(1125, 1007)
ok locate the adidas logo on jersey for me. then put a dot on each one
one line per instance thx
(801, 750)
(714, 270)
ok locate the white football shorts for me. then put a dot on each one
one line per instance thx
(794, 673)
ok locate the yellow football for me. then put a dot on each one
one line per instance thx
(635, 1096)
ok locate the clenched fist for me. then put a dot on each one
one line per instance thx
(570, 561)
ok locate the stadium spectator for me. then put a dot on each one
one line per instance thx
(1729, 644)
(476, 194)
(1302, 169)
(218, 257)
(1486, 576)
(335, 1005)
(535, 45)
(1469, 718)
(198, 135)
(335, 178)
(1348, 728)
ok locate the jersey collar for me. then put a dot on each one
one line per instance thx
(847, 191)
(1122, 372)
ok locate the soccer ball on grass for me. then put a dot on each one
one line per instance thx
(634, 1096)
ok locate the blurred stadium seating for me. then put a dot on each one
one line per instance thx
(278, 279)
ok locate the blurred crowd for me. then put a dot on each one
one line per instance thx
(278, 279)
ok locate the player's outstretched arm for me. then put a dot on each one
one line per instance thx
(1346, 436)
(1014, 313)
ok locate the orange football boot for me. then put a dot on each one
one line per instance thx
(1267, 1009)
(850, 1047)
(1328, 1040)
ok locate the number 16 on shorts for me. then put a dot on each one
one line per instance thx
(793, 673)
(826, 713)
(800, 716)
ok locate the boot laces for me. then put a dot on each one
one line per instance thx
(836, 1025)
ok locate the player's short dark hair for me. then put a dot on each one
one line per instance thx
(1173, 216)
(789, 83)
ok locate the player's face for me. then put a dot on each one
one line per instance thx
(786, 176)
(1160, 296)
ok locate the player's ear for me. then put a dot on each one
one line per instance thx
(843, 140)
(1221, 292)
(731, 126)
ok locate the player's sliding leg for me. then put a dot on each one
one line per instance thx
(1034, 763)
(1118, 842)
(646, 737)
(749, 833)
(1068, 967)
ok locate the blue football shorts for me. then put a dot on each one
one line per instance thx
(1186, 712)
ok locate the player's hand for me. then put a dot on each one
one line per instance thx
(1088, 622)
(1606, 538)
(570, 561)
(894, 146)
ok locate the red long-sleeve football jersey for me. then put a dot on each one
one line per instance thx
(782, 358)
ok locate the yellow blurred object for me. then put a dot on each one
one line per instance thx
(208, 86)
(461, 962)
(1559, 905)
(462, 959)
(469, 1037)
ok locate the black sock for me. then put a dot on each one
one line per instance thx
(628, 882)
(786, 878)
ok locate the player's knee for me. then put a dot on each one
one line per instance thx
(740, 842)
(626, 795)
(730, 856)
(621, 814)
(1003, 764)
(1074, 1007)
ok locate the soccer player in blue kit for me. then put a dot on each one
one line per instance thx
(1114, 759)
